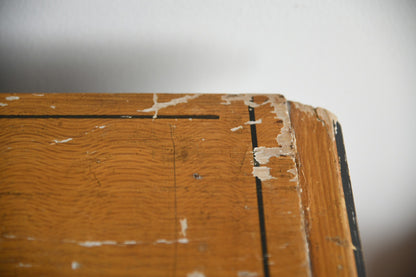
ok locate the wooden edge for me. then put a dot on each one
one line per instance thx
(330, 217)
(349, 199)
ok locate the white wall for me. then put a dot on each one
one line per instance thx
(355, 58)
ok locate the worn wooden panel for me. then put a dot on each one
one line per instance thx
(156, 185)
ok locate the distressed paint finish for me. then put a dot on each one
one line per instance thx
(149, 185)
(327, 226)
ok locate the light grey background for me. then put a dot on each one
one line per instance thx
(355, 58)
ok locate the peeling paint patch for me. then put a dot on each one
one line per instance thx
(294, 172)
(30, 238)
(52, 106)
(183, 240)
(62, 141)
(195, 274)
(130, 242)
(236, 128)
(100, 127)
(228, 98)
(3, 104)
(247, 274)
(75, 265)
(164, 241)
(8, 236)
(262, 172)
(24, 265)
(184, 226)
(158, 106)
(38, 94)
(12, 98)
(254, 122)
(97, 243)
(263, 154)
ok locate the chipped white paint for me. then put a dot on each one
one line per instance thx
(247, 274)
(294, 172)
(195, 274)
(184, 226)
(254, 122)
(97, 243)
(158, 106)
(24, 265)
(304, 108)
(12, 98)
(130, 242)
(247, 98)
(9, 236)
(38, 94)
(75, 265)
(263, 154)
(126, 116)
(183, 240)
(329, 120)
(3, 104)
(164, 241)
(262, 172)
(236, 128)
(62, 141)
(30, 238)
(286, 138)
(52, 106)
(100, 127)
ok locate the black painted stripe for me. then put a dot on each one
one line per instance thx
(349, 200)
(260, 205)
(115, 116)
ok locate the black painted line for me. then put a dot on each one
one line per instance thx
(115, 116)
(349, 201)
(260, 205)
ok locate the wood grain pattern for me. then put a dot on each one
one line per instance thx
(93, 185)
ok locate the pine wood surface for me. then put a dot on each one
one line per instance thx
(93, 185)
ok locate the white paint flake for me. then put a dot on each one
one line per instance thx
(97, 243)
(247, 98)
(253, 122)
(236, 128)
(62, 141)
(158, 106)
(24, 265)
(30, 238)
(294, 172)
(100, 127)
(8, 236)
(75, 265)
(130, 242)
(247, 274)
(12, 98)
(52, 106)
(183, 240)
(262, 172)
(3, 104)
(184, 226)
(263, 154)
(195, 274)
(38, 94)
(164, 241)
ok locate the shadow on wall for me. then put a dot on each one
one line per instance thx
(118, 67)
(397, 258)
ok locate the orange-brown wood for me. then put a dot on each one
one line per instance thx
(93, 185)
(323, 201)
